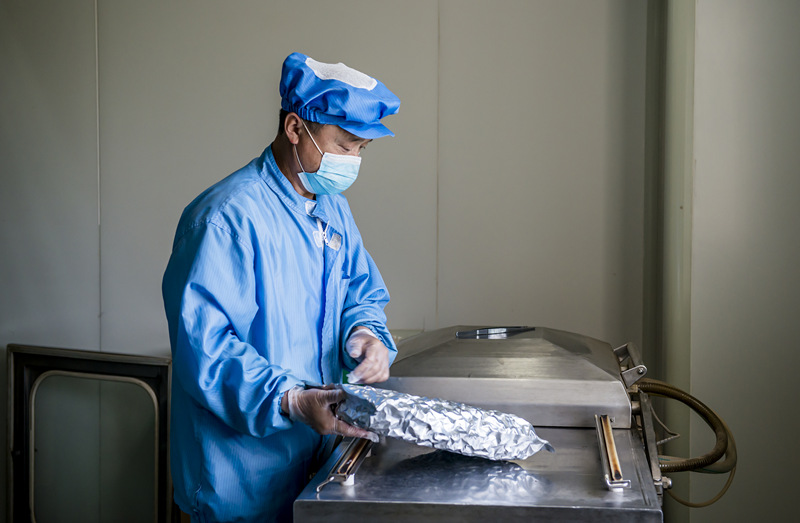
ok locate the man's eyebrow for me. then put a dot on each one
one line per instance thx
(355, 139)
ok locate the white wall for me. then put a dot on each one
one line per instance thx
(512, 192)
(746, 250)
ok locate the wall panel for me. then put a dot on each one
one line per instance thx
(48, 181)
(189, 93)
(541, 165)
(745, 251)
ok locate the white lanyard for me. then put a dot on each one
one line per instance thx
(320, 235)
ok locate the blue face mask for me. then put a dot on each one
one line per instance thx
(336, 172)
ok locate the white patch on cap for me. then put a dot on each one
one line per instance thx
(342, 73)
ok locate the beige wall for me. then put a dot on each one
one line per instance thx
(189, 95)
(511, 194)
(745, 297)
(676, 288)
(49, 267)
(731, 256)
(541, 153)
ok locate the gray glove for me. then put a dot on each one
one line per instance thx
(314, 408)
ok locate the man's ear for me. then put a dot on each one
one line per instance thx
(293, 127)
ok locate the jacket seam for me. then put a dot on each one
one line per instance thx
(210, 222)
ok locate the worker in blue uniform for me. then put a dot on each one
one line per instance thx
(270, 295)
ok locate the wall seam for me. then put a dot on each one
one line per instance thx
(438, 162)
(99, 253)
(97, 161)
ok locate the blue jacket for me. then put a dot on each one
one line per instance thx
(255, 305)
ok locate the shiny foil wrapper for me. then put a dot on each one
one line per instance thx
(440, 424)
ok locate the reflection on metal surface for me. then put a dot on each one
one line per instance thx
(475, 479)
(492, 333)
(403, 482)
(440, 424)
(612, 470)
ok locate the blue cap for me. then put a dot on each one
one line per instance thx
(337, 95)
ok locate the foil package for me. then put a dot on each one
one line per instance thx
(440, 424)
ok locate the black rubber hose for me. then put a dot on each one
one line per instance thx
(659, 388)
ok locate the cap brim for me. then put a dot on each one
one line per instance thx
(368, 132)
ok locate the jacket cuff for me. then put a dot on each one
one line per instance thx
(280, 418)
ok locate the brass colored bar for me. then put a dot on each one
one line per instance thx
(611, 449)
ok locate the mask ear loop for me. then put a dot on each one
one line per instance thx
(312, 139)
(303, 169)
(294, 147)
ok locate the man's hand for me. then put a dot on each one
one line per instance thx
(372, 354)
(313, 407)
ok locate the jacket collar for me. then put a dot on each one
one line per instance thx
(281, 186)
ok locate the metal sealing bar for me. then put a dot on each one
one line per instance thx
(346, 466)
(611, 449)
(612, 470)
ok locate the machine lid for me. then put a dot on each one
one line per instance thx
(549, 377)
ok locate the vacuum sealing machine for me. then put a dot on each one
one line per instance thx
(580, 394)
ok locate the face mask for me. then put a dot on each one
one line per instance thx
(336, 172)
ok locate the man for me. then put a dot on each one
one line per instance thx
(269, 289)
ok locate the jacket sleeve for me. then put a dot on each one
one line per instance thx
(209, 297)
(366, 298)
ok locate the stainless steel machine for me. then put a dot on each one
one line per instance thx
(578, 392)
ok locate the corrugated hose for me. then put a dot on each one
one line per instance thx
(722, 445)
(709, 462)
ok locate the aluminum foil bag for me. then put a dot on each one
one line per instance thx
(440, 424)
